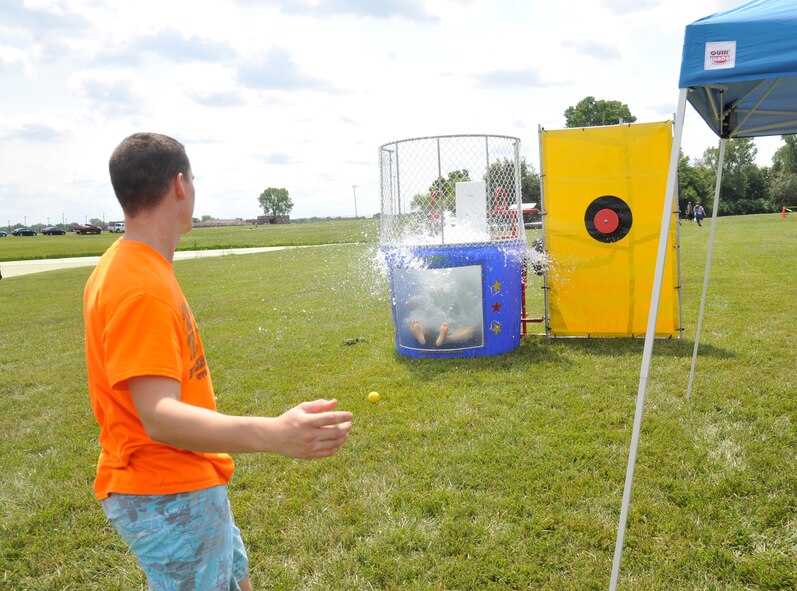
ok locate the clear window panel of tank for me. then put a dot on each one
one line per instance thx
(438, 309)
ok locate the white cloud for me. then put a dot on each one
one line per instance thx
(277, 70)
(109, 92)
(170, 45)
(277, 158)
(35, 131)
(596, 49)
(13, 59)
(521, 78)
(173, 45)
(221, 99)
(42, 18)
(622, 7)
(412, 10)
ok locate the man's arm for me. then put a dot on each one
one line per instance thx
(306, 431)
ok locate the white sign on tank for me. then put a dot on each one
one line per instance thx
(472, 206)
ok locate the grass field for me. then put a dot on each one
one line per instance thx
(470, 474)
(13, 248)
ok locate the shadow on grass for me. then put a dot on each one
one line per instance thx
(539, 349)
(530, 351)
(619, 346)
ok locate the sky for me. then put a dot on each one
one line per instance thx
(300, 94)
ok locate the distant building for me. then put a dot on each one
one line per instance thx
(271, 219)
(217, 223)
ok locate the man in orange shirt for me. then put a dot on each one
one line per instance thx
(163, 466)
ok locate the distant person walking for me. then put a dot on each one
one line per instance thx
(700, 213)
(690, 212)
(164, 463)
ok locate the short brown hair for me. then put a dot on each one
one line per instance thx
(141, 168)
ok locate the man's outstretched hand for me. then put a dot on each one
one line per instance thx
(312, 430)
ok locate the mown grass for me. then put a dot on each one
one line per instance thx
(13, 248)
(470, 474)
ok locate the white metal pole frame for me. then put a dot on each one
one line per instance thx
(543, 213)
(650, 334)
(708, 265)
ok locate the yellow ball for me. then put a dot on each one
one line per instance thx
(374, 397)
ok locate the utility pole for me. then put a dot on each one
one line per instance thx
(354, 188)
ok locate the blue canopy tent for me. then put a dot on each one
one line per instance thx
(739, 72)
(739, 69)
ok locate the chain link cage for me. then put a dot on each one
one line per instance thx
(454, 189)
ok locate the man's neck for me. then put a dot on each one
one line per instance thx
(153, 231)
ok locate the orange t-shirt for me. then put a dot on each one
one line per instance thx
(139, 324)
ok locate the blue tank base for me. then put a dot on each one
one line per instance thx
(456, 301)
(484, 351)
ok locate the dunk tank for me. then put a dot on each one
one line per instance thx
(453, 241)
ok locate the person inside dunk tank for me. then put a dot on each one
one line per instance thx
(439, 308)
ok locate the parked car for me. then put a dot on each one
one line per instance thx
(3, 233)
(23, 232)
(53, 231)
(116, 227)
(87, 229)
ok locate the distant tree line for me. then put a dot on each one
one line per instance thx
(746, 187)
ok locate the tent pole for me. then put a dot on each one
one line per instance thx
(666, 217)
(708, 264)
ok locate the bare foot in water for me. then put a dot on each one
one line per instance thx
(417, 332)
(443, 334)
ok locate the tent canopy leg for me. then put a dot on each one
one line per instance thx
(708, 265)
(650, 334)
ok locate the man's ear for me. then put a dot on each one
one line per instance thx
(178, 186)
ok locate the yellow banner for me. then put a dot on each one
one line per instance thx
(603, 191)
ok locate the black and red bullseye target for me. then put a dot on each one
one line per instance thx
(608, 219)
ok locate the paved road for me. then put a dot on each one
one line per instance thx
(17, 268)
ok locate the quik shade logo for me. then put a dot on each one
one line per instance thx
(720, 55)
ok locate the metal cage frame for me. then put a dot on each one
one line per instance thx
(420, 182)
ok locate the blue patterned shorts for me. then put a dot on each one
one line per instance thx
(184, 541)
